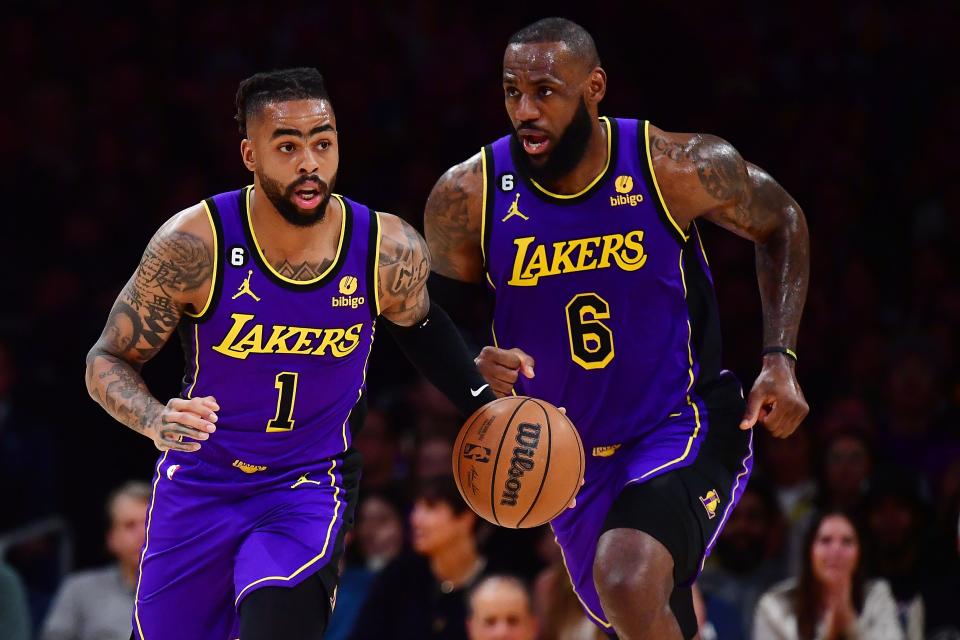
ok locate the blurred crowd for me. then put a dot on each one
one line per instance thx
(117, 119)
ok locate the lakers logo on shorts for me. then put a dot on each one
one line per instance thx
(710, 503)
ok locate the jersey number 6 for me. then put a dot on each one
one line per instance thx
(287, 385)
(591, 341)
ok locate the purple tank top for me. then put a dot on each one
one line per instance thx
(285, 359)
(611, 298)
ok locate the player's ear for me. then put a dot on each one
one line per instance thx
(596, 85)
(246, 153)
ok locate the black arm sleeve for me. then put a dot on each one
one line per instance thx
(438, 351)
(469, 307)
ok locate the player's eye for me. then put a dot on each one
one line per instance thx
(546, 92)
(324, 144)
(286, 147)
(511, 92)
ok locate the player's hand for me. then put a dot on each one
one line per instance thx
(776, 400)
(502, 367)
(193, 419)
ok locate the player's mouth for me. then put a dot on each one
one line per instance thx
(534, 142)
(307, 196)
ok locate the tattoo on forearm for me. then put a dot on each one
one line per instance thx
(750, 202)
(447, 216)
(143, 317)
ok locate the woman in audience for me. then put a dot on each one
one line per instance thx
(831, 600)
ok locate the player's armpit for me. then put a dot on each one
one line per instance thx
(403, 270)
(452, 222)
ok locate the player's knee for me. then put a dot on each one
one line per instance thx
(631, 568)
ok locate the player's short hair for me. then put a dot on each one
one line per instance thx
(134, 489)
(501, 578)
(260, 89)
(577, 39)
(441, 489)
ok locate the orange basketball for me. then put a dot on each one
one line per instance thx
(518, 462)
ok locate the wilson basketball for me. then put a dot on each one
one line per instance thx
(518, 462)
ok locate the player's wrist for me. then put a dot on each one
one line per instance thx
(776, 354)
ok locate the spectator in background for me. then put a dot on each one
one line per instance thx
(14, 613)
(747, 561)
(434, 452)
(377, 540)
(98, 604)
(832, 599)
(788, 463)
(895, 521)
(555, 603)
(423, 595)
(500, 609)
(846, 469)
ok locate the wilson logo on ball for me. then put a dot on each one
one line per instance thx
(476, 453)
(528, 437)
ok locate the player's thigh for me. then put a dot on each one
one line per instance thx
(301, 612)
(187, 562)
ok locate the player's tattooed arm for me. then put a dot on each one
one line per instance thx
(402, 273)
(173, 274)
(705, 176)
(452, 221)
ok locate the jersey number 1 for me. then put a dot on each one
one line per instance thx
(287, 385)
(591, 341)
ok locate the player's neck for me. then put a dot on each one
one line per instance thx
(275, 233)
(457, 562)
(591, 165)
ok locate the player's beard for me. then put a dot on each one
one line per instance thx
(568, 152)
(282, 198)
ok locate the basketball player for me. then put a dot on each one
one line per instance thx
(584, 229)
(274, 290)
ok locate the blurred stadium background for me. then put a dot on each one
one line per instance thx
(117, 117)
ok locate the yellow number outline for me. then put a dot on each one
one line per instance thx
(582, 322)
(278, 384)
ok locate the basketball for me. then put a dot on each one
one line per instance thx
(518, 462)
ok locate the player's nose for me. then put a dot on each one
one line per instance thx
(309, 163)
(527, 110)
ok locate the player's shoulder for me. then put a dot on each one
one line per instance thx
(683, 152)
(398, 238)
(463, 180)
(188, 230)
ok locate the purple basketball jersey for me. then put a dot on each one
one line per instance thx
(615, 303)
(286, 359)
(267, 500)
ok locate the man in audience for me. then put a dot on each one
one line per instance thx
(97, 604)
(500, 609)
(423, 595)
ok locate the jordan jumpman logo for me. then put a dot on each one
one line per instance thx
(514, 211)
(245, 288)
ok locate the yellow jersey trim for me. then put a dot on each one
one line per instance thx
(656, 185)
(596, 618)
(600, 175)
(702, 250)
(690, 402)
(343, 428)
(146, 545)
(376, 263)
(216, 264)
(483, 208)
(336, 257)
(326, 542)
(196, 361)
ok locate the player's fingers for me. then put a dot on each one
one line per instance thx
(563, 410)
(172, 432)
(189, 419)
(500, 374)
(203, 407)
(170, 440)
(755, 403)
(526, 362)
